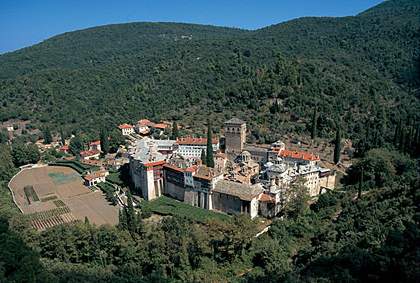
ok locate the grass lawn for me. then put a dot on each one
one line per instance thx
(168, 206)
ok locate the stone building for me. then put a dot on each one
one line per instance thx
(146, 168)
(235, 136)
(236, 198)
(244, 170)
(200, 195)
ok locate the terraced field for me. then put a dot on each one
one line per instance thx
(55, 195)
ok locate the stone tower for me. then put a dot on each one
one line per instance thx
(235, 134)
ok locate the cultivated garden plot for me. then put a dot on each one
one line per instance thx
(53, 195)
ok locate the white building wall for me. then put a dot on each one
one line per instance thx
(253, 211)
(194, 151)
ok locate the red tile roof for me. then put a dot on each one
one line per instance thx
(125, 126)
(197, 141)
(299, 155)
(154, 163)
(64, 148)
(87, 153)
(94, 175)
(95, 142)
(191, 169)
(160, 126)
(145, 122)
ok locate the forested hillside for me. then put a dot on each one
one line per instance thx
(365, 231)
(354, 70)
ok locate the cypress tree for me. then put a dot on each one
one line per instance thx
(131, 214)
(104, 141)
(401, 143)
(209, 155)
(397, 134)
(337, 145)
(314, 124)
(63, 137)
(175, 132)
(203, 157)
(47, 136)
(359, 193)
(122, 216)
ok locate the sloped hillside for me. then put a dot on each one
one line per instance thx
(360, 72)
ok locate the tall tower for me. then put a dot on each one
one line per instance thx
(235, 134)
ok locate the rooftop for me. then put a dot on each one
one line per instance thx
(94, 175)
(267, 198)
(242, 191)
(86, 153)
(160, 126)
(145, 122)
(125, 126)
(235, 121)
(145, 150)
(195, 141)
(206, 173)
(303, 155)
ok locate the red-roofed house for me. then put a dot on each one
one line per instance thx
(95, 145)
(90, 154)
(126, 129)
(95, 178)
(65, 149)
(300, 157)
(160, 126)
(143, 126)
(189, 147)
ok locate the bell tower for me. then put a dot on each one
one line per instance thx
(235, 135)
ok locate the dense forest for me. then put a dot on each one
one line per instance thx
(355, 70)
(359, 75)
(367, 230)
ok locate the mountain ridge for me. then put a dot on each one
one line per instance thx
(349, 63)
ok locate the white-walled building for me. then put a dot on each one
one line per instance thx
(189, 147)
(126, 129)
(146, 164)
(95, 178)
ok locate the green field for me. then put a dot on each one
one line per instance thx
(167, 206)
(61, 178)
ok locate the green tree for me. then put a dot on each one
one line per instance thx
(314, 123)
(47, 136)
(104, 137)
(337, 145)
(76, 145)
(209, 154)
(297, 199)
(203, 157)
(23, 154)
(62, 137)
(175, 131)
(4, 138)
(116, 139)
(133, 219)
(7, 168)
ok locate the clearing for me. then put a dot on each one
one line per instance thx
(53, 195)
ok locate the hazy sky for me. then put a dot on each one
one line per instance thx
(26, 22)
